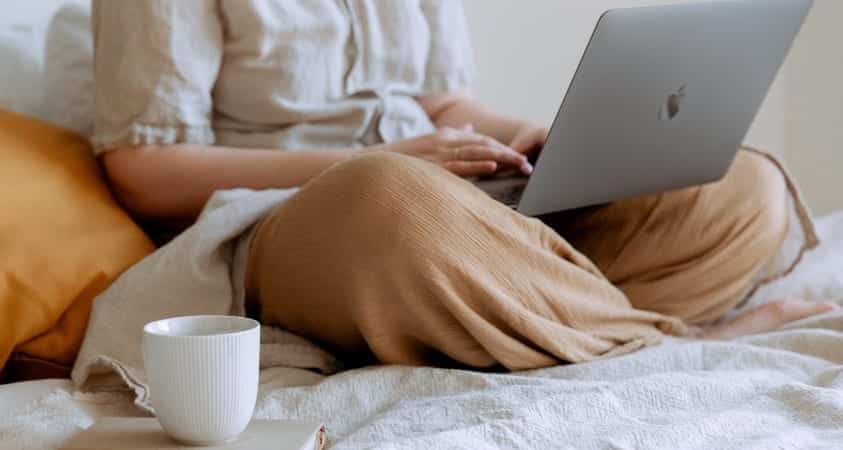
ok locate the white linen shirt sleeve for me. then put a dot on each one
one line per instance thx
(155, 65)
(450, 63)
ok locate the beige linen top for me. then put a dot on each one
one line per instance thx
(281, 74)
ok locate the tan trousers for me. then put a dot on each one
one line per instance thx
(392, 259)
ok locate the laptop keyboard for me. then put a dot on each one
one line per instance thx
(507, 188)
(508, 195)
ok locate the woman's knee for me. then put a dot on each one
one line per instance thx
(379, 193)
(340, 226)
(394, 186)
(373, 166)
(755, 190)
(384, 174)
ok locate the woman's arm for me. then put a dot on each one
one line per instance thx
(460, 109)
(174, 181)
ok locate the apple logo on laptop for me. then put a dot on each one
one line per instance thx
(670, 108)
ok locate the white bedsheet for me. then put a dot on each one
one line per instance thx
(779, 390)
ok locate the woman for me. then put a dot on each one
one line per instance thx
(386, 253)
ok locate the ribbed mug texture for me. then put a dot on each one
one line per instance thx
(203, 387)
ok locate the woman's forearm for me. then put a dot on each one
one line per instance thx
(174, 182)
(459, 109)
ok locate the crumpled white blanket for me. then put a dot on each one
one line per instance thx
(781, 390)
(199, 272)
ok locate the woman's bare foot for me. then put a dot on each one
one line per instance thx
(767, 317)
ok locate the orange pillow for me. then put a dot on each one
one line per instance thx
(63, 240)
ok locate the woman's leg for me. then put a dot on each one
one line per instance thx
(693, 253)
(393, 258)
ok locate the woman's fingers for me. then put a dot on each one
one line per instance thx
(467, 136)
(465, 139)
(502, 155)
(466, 145)
(483, 153)
(467, 169)
(523, 144)
(529, 138)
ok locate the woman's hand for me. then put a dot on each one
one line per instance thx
(463, 152)
(529, 138)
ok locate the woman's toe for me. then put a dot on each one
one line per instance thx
(767, 317)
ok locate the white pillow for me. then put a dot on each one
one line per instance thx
(21, 79)
(68, 69)
(819, 277)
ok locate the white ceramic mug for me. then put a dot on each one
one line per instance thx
(203, 375)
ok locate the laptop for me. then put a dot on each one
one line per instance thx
(662, 99)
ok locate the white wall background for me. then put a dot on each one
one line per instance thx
(527, 51)
(814, 107)
(31, 12)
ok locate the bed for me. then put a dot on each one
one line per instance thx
(778, 390)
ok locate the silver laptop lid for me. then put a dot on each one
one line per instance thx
(662, 99)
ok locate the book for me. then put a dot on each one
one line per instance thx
(140, 433)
